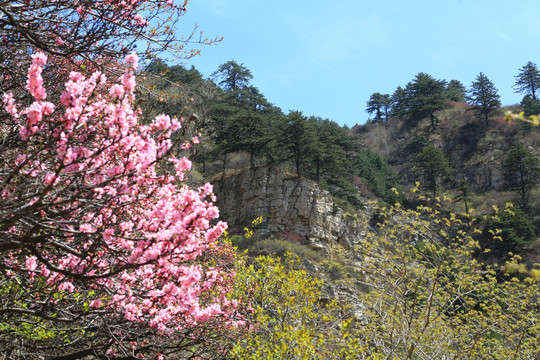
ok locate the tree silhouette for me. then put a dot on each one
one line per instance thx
(528, 80)
(483, 97)
(521, 170)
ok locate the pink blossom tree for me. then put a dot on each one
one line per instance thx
(94, 33)
(105, 251)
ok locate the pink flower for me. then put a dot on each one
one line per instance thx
(49, 178)
(182, 165)
(20, 159)
(117, 91)
(132, 60)
(95, 303)
(128, 81)
(175, 124)
(39, 59)
(66, 286)
(86, 228)
(31, 263)
(140, 20)
(9, 103)
(44, 270)
(162, 122)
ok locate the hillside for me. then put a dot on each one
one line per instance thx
(476, 153)
(425, 132)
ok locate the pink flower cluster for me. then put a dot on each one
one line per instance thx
(131, 230)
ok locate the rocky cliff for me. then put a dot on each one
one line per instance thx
(290, 206)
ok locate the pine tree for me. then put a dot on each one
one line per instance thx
(465, 193)
(455, 91)
(400, 103)
(328, 157)
(483, 97)
(521, 170)
(426, 97)
(528, 80)
(242, 118)
(297, 139)
(232, 76)
(379, 104)
(433, 165)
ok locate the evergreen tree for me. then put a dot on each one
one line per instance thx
(528, 80)
(521, 170)
(455, 91)
(516, 231)
(433, 165)
(400, 103)
(328, 157)
(232, 76)
(176, 73)
(378, 175)
(464, 195)
(426, 97)
(374, 106)
(483, 97)
(379, 104)
(530, 106)
(297, 138)
(243, 118)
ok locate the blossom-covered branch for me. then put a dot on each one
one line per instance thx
(95, 218)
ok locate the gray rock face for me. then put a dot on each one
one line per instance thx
(290, 206)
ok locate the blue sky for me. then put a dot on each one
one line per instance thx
(326, 58)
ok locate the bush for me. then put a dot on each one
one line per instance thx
(513, 231)
(280, 247)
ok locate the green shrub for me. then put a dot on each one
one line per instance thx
(513, 231)
(280, 247)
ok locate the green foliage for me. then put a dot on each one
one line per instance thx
(424, 97)
(297, 139)
(483, 97)
(513, 228)
(530, 105)
(242, 118)
(430, 299)
(379, 176)
(465, 193)
(424, 296)
(172, 90)
(379, 104)
(281, 247)
(455, 91)
(289, 321)
(400, 103)
(521, 170)
(433, 165)
(417, 144)
(232, 76)
(328, 158)
(528, 80)
(175, 74)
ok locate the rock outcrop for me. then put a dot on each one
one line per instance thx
(290, 206)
